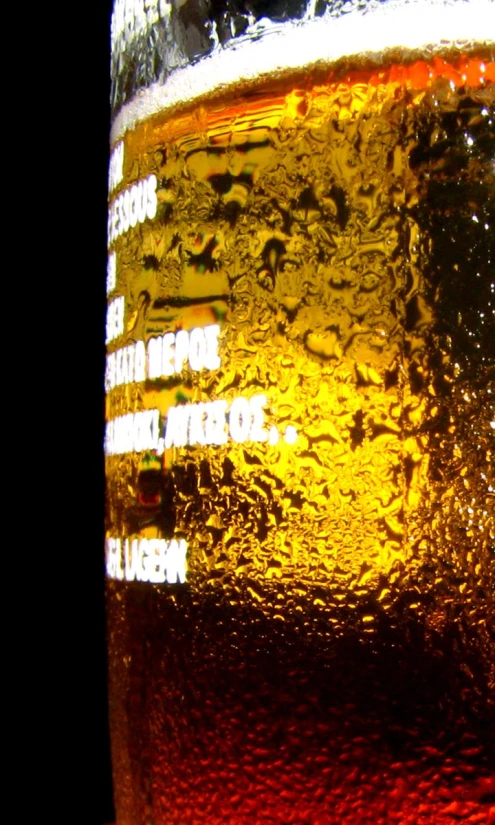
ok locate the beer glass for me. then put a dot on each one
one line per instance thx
(300, 412)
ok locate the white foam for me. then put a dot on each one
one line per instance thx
(406, 24)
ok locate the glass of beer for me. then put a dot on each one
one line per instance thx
(300, 413)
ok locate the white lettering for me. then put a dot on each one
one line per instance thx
(134, 432)
(147, 560)
(176, 430)
(290, 434)
(139, 361)
(154, 561)
(168, 342)
(116, 167)
(176, 562)
(114, 559)
(181, 349)
(132, 207)
(196, 424)
(118, 366)
(216, 422)
(110, 372)
(125, 209)
(212, 359)
(152, 197)
(124, 366)
(168, 354)
(204, 423)
(132, 560)
(154, 428)
(111, 272)
(115, 318)
(257, 432)
(154, 357)
(138, 431)
(141, 201)
(130, 364)
(240, 419)
(197, 349)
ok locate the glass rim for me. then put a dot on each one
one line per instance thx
(422, 28)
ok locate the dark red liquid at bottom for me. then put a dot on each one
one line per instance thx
(222, 713)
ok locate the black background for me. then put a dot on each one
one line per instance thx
(67, 150)
(104, 812)
(93, 783)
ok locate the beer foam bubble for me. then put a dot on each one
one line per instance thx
(267, 49)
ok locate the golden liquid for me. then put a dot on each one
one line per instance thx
(329, 659)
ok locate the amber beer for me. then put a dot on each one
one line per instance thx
(300, 437)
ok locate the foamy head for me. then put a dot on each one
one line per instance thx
(426, 26)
